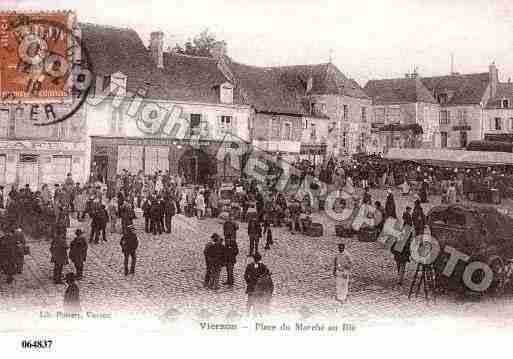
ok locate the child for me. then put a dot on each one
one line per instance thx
(71, 295)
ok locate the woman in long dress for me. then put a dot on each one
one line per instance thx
(342, 273)
(390, 211)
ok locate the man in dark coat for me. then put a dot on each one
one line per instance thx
(230, 229)
(169, 212)
(78, 252)
(7, 256)
(418, 218)
(59, 251)
(231, 251)
(253, 272)
(127, 215)
(19, 240)
(254, 233)
(155, 217)
(146, 204)
(390, 211)
(99, 224)
(208, 262)
(129, 244)
(215, 256)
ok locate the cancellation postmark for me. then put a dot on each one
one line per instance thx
(43, 63)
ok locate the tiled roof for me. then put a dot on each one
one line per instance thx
(504, 91)
(282, 89)
(112, 50)
(395, 91)
(191, 78)
(468, 88)
(266, 91)
(183, 78)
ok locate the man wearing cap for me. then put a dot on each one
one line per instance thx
(78, 252)
(129, 244)
(214, 258)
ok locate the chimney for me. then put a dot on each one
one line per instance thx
(157, 48)
(218, 50)
(493, 79)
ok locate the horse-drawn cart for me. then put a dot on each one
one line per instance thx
(481, 234)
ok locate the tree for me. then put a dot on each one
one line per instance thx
(200, 45)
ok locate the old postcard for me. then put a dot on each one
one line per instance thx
(323, 176)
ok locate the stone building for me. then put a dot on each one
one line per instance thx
(498, 125)
(157, 111)
(397, 105)
(459, 99)
(304, 111)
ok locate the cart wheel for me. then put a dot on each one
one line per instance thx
(500, 274)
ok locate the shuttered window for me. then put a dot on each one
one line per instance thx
(156, 158)
(130, 158)
(61, 166)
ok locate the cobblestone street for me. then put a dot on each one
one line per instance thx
(170, 269)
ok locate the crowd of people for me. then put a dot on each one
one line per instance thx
(160, 197)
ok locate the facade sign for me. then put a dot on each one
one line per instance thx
(42, 145)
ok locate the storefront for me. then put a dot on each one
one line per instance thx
(36, 163)
(197, 161)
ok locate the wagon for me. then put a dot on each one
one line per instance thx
(480, 232)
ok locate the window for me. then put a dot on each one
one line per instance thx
(61, 167)
(445, 117)
(498, 124)
(195, 122)
(313, 132)
(304, 123)
(344, 139)
(505, 103)
(106, 82)
(379, 115)
(394, 115)
(462, 117)
(287, 128)
(62, 130)
(322, 107)
(275, 127)
(364, 114)
(443, 139)
(226, 93)
(346, 112)
(511, 123)
(425, 117)
(442, 98)
(226, 124)
(4, 122)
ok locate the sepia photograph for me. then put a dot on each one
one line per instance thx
(220, 175)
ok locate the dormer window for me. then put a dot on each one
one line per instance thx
(118, 83)
(226, 93)
(442, 98)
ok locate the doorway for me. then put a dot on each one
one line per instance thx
(99, 168)
(28, 171)
(463, 139)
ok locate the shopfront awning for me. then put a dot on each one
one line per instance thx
(452, 158)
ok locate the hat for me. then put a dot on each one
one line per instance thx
(130, 227)
(257, 257)
(69, 276)
(79, 232)
(215, 237)
(18, 229)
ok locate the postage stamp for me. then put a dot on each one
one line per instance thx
(36, 50)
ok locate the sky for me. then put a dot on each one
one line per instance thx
(368, 39)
